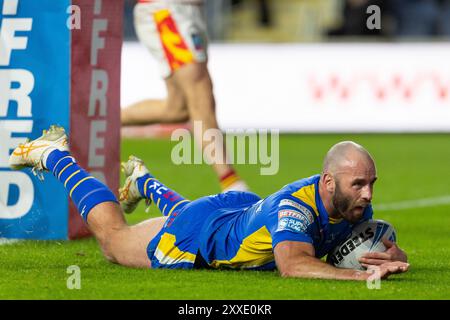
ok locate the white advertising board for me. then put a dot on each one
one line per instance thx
(315, 87)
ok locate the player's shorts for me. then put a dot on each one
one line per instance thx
(187, 229)
(175, 33)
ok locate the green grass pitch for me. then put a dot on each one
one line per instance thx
(409, 167)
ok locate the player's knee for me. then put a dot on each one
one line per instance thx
(108, 251)
(129, 116)
(108, 256)
(110, 245)
(177, 115)
(201, 103)
(176, 107)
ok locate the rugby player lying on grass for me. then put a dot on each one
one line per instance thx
(289, 230)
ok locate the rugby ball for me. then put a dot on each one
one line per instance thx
(365, 237)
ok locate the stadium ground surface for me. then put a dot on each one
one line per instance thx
(410, 168)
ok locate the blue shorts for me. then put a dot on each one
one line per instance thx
(177, 244)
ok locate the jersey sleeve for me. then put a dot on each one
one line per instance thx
(291, 220)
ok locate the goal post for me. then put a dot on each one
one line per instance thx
(59, 64)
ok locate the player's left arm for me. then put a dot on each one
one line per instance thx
(393, 252)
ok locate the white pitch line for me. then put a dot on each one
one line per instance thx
(411, 204)
(4, 241)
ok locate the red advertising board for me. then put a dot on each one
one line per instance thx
(95, 95)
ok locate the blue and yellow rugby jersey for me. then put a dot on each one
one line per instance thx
(243, 235)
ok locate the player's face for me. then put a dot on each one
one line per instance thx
(353, 192)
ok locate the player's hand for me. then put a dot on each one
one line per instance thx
(393, 253)
(384, 270)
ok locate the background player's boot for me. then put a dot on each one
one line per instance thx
(34, 153)
(129, 195)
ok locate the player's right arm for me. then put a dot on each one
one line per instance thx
(296, 259)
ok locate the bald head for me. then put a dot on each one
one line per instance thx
(347, 180)
(345, 155)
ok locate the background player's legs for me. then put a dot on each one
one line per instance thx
(195, 81)
(171, 110)
(189, 87)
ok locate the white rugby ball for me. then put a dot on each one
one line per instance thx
(365, 237)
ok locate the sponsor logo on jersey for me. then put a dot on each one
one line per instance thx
(292, 220)
(303, 209)
(291, 224)
(290, 213)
